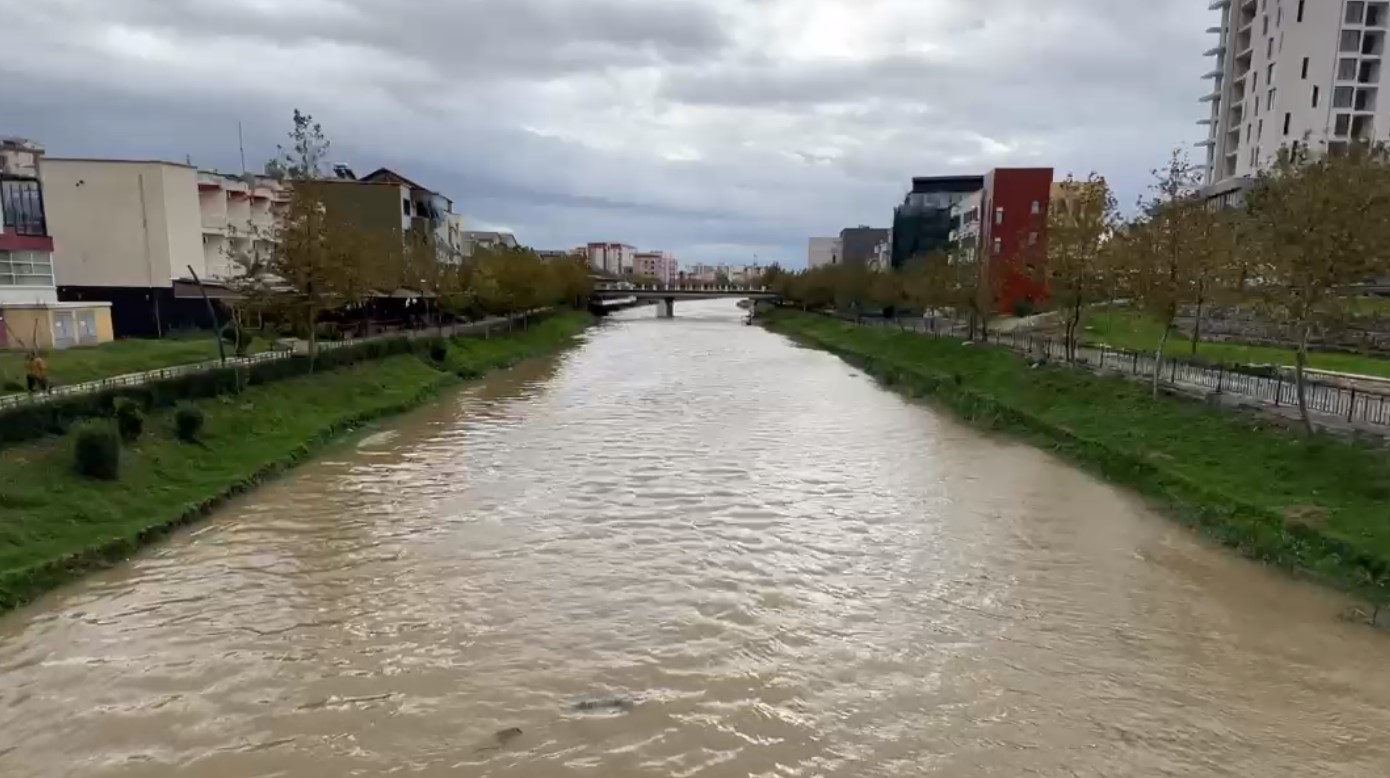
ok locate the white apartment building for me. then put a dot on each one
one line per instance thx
(129, 223)
(128, 231)
(613, 258)
(1292, 71)
(823, 251)
(965, 235)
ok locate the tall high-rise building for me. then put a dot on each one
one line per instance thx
(1292, 71)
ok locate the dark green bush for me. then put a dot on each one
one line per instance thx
(188, 422)
(130, 419)
(438, 352)
(97, 451)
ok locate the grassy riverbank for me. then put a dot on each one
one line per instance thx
(1316, 506)
(55, 524)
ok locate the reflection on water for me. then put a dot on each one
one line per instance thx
(747, 558)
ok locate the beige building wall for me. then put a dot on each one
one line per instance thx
(120, 223)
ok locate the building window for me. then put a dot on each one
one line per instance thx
(1300, 11)
(999, 215)
(1255, 81)
(1260, 130)
(1269, 100)
(998, 245)
(1315, 97)
(1341, 125)
(1269, 74)
(1265, 26)
(22, 202)
(1257, 105)
(1036, 208)
(405, 207)
(1269, 48)
(26, 268)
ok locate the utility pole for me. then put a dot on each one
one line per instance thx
(241, 146)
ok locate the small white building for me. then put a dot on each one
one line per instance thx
(823, 251)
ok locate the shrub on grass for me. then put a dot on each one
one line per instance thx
(97, 451)
(188, 422)
(438, 352)
(130, 419)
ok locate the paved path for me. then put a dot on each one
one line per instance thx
(479, 327)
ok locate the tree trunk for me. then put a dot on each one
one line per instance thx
(1158, 356)
(313, 316)
(1300, 361)
(1197, 324)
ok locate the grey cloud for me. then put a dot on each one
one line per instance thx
(783, 147)
(458, 39)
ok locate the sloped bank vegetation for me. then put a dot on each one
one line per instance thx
(1316, 506)
(63, 512)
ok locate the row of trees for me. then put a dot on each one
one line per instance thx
(1314, 227)
(323, 262)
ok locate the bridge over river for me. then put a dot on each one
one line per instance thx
(666, 297)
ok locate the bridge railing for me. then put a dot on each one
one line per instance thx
(711, 288)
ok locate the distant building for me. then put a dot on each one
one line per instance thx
(922, 224)
(822, 251)
(857, 244)
(550, 255)
(660, 265)
(428, 212)
(882, 261)
(488, 240)
(612, 258)
(1013, 236)
(31, 315)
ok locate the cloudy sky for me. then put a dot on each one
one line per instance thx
(716, 129)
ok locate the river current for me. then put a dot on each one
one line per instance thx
(688, 548)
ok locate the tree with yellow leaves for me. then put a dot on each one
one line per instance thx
(1316, 227)
(1078, 226)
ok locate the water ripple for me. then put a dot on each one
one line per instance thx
(778, 568)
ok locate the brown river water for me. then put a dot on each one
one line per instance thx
(747, 557)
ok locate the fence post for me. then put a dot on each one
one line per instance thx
(1220, 376)
(1278, 388)
(1136, 363)
(1173, 379)
(1351, 405)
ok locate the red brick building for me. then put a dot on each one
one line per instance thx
(1013, 236)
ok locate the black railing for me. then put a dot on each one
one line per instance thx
(1272, 386)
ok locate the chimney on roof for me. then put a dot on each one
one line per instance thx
(344, 173)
